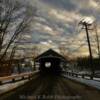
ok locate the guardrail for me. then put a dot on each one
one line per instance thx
(85, 76)
(17, 77)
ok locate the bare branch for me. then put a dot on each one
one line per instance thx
(15, 19)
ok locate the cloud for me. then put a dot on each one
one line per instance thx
(94, 4)
(27, 36)
(57, 23)
(45, 29)
(65, 16)
(61, 4)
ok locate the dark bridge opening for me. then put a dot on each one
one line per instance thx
(50, 65)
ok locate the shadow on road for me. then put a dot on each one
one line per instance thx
(52, 87)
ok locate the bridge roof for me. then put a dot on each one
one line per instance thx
(50, 53)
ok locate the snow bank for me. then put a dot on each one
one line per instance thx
(87, 81)
(7, 87)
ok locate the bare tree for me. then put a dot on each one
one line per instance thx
(15, 19)
(63, 50)
(35, 52)
(97, 38)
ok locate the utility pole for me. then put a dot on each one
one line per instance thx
(85, 26)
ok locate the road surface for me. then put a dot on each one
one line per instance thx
(52, 87)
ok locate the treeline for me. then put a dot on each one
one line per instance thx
(16, 18)
(85, 63)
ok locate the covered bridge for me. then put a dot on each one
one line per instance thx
(50, 62)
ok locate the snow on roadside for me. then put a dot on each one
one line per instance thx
(88, 82)
(7, 87)
(10, 86)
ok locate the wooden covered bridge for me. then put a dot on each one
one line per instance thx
(50, 62)
(53, 85)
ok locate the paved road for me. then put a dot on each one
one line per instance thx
(50, 87)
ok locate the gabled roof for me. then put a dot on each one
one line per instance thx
(50, 53)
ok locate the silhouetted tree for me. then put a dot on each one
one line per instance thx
(84, 63)
(35, 51)
(63, 50)
(15, 19)
(97, 39)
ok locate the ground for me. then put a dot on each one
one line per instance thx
(50, 87)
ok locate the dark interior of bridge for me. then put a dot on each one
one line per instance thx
(50, 65)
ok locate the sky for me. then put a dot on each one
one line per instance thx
(56, 24)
